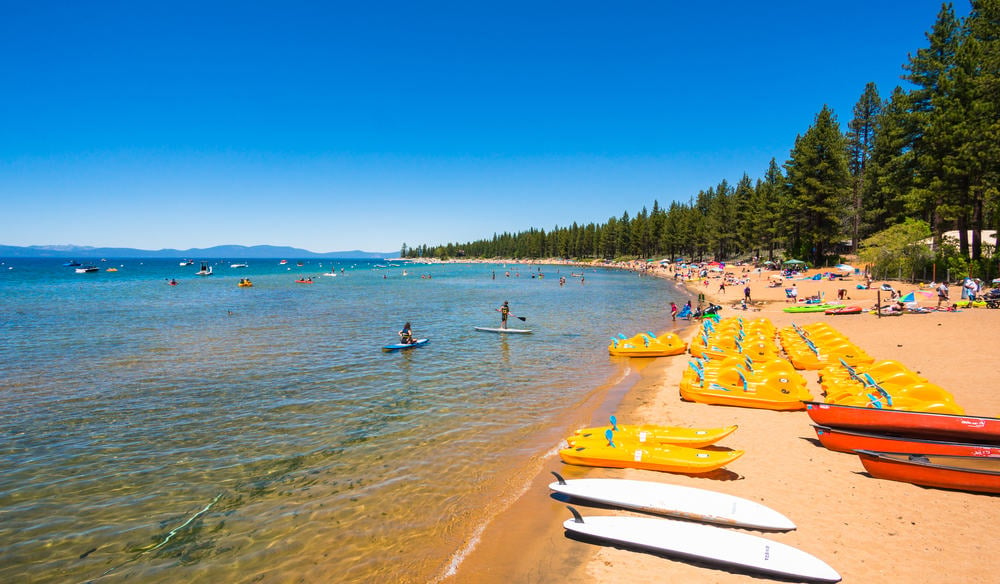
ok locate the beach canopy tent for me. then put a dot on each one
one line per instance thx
(793, 263)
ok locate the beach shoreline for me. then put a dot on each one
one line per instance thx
(867, 529)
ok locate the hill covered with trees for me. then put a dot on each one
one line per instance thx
(929, 154)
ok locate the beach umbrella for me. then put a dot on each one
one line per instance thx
(911, 297)
(996, 280)
(793, 262)
(845, 267)
(715, 269)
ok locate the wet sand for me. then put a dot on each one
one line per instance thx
(867, 529)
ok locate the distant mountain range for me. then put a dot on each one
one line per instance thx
(219, 251)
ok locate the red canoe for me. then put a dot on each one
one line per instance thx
(845, 310)
(843, 440)
(963, 473)
(971, 429)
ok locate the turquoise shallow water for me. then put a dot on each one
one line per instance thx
(203, 431)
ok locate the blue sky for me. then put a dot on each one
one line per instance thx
(365, 125)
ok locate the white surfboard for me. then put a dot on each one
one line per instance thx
(705, 543)
(503, 330)
(676, 501)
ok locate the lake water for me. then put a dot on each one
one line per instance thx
(206, 432)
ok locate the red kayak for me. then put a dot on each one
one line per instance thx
(842, 440)
(845, 310)
(303, 281)
(970, 429)
(964, 473)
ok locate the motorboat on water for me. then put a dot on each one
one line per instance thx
(186, 263)
(206, 270)
(87, 269)
(239, 265)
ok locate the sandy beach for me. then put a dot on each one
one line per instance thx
(869, 530)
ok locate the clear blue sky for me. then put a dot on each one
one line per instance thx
(363, 125)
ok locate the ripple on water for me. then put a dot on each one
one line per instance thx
(204, 432)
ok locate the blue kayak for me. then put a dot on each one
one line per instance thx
(398, 346)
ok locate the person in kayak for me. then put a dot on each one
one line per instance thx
(504, 311)
(406, 335)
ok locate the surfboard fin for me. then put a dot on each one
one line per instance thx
(577, 518)
(559, 478)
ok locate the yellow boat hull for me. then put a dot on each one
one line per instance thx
(652, 435)
(677, 459)
(763, 398)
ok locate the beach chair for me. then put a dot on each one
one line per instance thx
(790, 294)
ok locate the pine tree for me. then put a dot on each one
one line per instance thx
(933, 107)
(979, 57)
(891, 168)
(818, 182)
(860, 143)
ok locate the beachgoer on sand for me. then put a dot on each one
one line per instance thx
(942, 291)
(673, 311)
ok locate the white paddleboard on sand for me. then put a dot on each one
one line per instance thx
(705, 543)
(503, 330)
(675, 501)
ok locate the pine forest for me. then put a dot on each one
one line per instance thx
(911, 166)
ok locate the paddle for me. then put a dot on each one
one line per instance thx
(521, 318)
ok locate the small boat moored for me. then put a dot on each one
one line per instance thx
(661, 457)
(844, 310)
(963, 473)
(849, 441)
(936, 426)
(653, 434)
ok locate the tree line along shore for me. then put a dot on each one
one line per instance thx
(911, 167)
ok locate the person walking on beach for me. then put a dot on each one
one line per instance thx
(673, 311)
(504, 311)
(722, 287)
(746, 294)
(942, 291)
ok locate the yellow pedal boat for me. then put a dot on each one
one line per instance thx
(666, 458)
(647, 345)
(651, 435)
(772, 392)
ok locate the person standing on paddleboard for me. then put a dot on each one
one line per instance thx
(504, 311)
